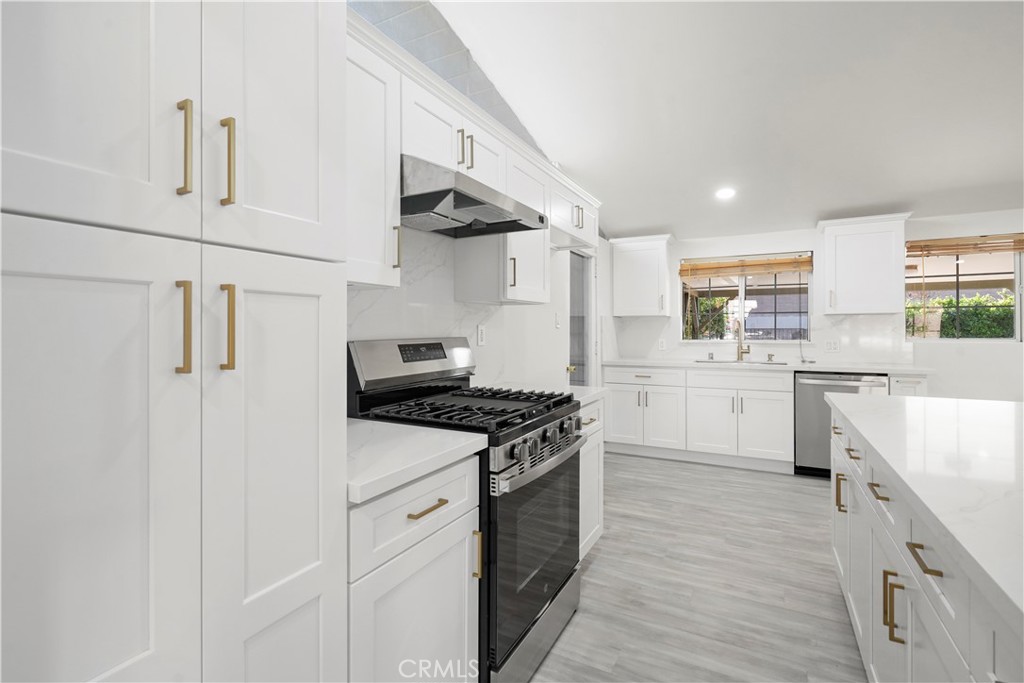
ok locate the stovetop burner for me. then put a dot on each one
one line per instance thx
(507, 394)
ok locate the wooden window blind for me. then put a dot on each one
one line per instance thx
(752, 266)
(962, 246)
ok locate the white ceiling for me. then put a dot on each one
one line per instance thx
(810, 110)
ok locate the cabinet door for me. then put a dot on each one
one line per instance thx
(526, 182)
(528, 266)
(888, 658)
(625, 418)
(840, 501)
(711, 420)
(101, 459)
(419, 607)
(665, 417)
(852, 251)
(766, 424)
(563, 214)
(486, 157)
(274, 497)
(92, 132)
(588, 223)
(934, 657)
(277, 69)
(431, 130)
(639, 280)
(373, 152)
(591, 492)
(858, 588)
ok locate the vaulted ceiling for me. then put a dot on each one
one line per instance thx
(810, 110)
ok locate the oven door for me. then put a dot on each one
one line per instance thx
(536, 527)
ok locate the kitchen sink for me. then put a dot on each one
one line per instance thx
(744, 362)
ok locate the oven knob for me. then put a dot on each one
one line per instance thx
(550, 435)
(535, 446)
(577, 423)
(566, 426)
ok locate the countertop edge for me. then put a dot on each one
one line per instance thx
(892, 369)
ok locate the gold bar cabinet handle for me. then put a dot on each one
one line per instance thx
(873, 486)
(441, 502)
(479, 573)
(472, 152)
(836, 430)
(230, 365)
(850, 452)
(892, 611)
(186, 345)
(229, 123)
(186, 106)
(589, 422)
(514, 275)
(915, 549)
(840, 478)
(462, 146)
(398, 246)
(886, 574)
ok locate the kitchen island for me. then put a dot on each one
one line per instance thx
(928, 534)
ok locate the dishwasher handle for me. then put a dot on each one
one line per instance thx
(841, 383)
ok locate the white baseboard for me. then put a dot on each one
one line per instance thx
(735, 461)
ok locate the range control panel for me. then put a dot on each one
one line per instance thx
(412, 353)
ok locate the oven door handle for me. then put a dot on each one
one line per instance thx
(510, 485)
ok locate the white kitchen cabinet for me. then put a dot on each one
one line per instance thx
(886, 656)
(513, 267)
(527, 183)
(908, 386)
(855, 247)
(625, 415)
(841, 517)
(92, 129)
(274, 495)
(995, 649)
(858, 586)
(588, 222)
(765, 425)
(273, 126)
(665, 417)
(420, 606)
(485, 155)
(573, 220)
(591, 492)
(711, 425)
(101, 454)
(431, 129)
(640, 277)
(373, 182)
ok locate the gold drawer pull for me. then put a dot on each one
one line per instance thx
(479, 573)
(185, 105)
(229, 123)
(892, 612)
(589, 422)
(840, 478)
(441, 502)
(873, 487)
(230, 365)
(850, 452)
(836, 430)
(914, 548)
(186, 352)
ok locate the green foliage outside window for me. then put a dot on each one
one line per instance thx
(982, 316)
(709, 322)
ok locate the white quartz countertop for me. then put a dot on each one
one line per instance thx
(584, 394)
(819, 366)
(383, 455)
(964, 462)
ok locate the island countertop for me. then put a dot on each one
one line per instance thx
(963, 460)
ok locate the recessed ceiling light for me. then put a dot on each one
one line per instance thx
(725, 193)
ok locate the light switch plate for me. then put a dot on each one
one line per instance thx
(661, 344)
(481, 335)
(832, 346)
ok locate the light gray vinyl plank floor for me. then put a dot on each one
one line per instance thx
(708, 573)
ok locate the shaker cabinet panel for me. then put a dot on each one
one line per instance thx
(431, 129)
(640, 277)
(766, 424)
(625, 414)
(96, 129)
(665, 417)
(711, 425)
(853, 247)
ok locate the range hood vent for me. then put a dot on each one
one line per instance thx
(438, 199)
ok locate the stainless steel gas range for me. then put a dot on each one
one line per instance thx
(529, 486)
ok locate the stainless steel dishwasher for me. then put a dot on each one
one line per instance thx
(814, 417)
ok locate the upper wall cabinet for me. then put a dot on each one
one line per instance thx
(573, 219)
(112, 136)
(864, 264)
(522, 274)
(98, 98)
(640, 279)
(373, 153)
(273, 126)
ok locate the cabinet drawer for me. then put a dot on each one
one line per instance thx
(664, 377)
(949, 593)
(592, 417)
(382, 528)
(995, 646)
(729, 379)
(893, 513)
(854, 449)
(840, 431)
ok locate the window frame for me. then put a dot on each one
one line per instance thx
(742, 287)
(1018, 312)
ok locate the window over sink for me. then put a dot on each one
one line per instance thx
(762, 297)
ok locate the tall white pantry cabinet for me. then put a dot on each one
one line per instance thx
(173, 371)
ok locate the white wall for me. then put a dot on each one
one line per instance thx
(524, 343)
(969, 369)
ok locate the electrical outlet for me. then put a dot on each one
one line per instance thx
(481, 335)
(661, 344)
(832, 346)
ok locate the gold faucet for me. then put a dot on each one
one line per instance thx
(741, 351)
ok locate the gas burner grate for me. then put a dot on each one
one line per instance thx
(507, 394)
(443, 412)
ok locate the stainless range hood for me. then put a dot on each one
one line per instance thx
(438, 199)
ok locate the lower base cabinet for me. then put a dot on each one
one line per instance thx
(415, 617)
(591, 492)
